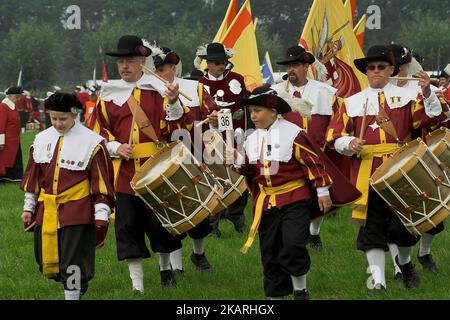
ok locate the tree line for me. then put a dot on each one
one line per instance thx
(35, 36)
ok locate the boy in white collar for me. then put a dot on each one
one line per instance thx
(68, 196)
(285, 165)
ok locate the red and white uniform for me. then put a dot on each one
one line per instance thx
(9, 135)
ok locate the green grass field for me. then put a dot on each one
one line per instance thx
(339, 272)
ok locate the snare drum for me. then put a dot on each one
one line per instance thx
(177, 188)
(233, 183)
(413, 183)
(438, 142)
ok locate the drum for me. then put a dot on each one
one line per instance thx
(414, 185)
(438, 142)
(234, 184)
(177, 188)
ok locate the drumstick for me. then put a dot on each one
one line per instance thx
(164, 80)
(202, 122)
(404, 78)
(130, 140)
(363, 125)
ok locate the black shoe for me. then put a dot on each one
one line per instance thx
(215, 233)
(168, 279)
(301, 294)
(239, 223)
(178, 273)
(378, 288)
(428, 263)
(201, 262)
(398, 276)
(411, 278)
(315, 242)
(137, 292)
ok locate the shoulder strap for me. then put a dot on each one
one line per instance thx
(141, 118)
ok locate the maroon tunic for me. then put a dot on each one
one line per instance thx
(114, 123)
(10, 127)
(230, 86)
(49, 177)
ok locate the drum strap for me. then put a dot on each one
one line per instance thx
(272, 192)
(383, 119)
(365, 169)
(142, 120)
(50, 223)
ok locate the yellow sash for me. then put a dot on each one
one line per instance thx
(271, 192)
(50, 257)
(362, 182)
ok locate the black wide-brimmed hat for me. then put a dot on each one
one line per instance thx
(169, 57)
(14, 90)
(376, 53)
(63, 102)
(195, 75)
(215, 52)
(130, 46)
(297, 54)
(443, 74)
(266, 97)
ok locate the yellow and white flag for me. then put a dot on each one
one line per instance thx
(241, 38)
(329, 36)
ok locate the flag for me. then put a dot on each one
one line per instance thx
(227, 20)
(226, 23)
(266, 70)
(349, 11)
(360, 30)
(19, 78)
(241, 38)
(328, 35)
(104, 75)
(94, 74)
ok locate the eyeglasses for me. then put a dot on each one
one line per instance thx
(218, 63)
(380, 67)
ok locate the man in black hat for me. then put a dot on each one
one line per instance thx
(408, 66)
(225, 86)
(69, 195)
(282, 197)
(167, 63)
(11, 166)
(444, 84)
(323, 103)
(389, 114)
(158, 112)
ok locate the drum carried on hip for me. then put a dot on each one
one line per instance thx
(177, 188)
(233, 183)
(415, 185)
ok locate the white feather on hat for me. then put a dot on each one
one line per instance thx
(300, 105)
(414, 67)
(201, 51)
(156, 51)
(447, 69)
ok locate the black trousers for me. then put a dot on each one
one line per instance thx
(200, 231)
(283, 235)
(15, 173)
(234, 212)
(382, 227)
(133, 222)
(76, 247)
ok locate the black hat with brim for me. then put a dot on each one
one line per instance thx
(268, 98)
(195, 75)
(62, 102)
(215, 52)
(297, 54)
(14, 90)
(376, 53)
(130, 46)
(171, 57)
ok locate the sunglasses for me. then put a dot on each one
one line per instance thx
(380, 67)
(218, 63)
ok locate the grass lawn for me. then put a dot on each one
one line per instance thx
(338, 272)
